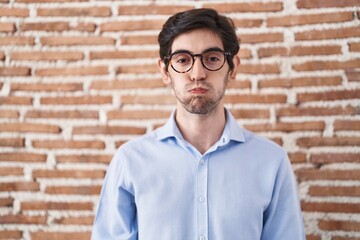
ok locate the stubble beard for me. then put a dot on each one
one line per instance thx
(200, 104)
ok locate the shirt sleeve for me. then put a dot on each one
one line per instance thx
(116, 212)
(283, 218)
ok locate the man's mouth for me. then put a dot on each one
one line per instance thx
(198, 90)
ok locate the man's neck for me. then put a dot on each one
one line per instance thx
(201, 130)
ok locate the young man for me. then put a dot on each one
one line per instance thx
(200, 176)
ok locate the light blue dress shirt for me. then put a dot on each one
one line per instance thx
(159, 187)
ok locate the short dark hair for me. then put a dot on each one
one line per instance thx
(196, 19)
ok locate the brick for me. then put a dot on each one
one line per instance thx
(10, 234)
(85, 100)
(341, 191)
(152, 9)
(83, 27)
(14, 100)
(7, 27)
(60, 235)
(138, 114)
(239, 84)
(69, 71)
(66, 41)
(255, 98)
(74, 190)
(12, 142)
(59, 144)
(337, 225)
(6, 202)
(71, 114)
(299, 51)
(8, 113)
(109, 130)
(354, 47)
(300, 82)
(14, 12)
(353, 75)
(19, 186)
(259, 68)
(77, 174)
(297, 157)
(328, 96)
(345, 238)
(326, 65)
(126, 84)
(46, 87)
(119, 143)
(45, 26)
(327, 3)
(312, 237)
(345, 32)
(131, 25)
(148, 99)
(123, 54)
(14, 71)
(294, 111)
(75, 12)
(261, 37)
(85, 220)
(29, 127)
(248, 23)
(49, 1)
(22, 157)
(330, 207)
(246, 7)
(316, 174)
(250, 113)
(303, 19)
(84, 158)
(136, 69)
(244, 53)
(346, 125)
(288, 127)
(328, 141)
(47, 55)
(40, 205)
(16, 40)
(277, 140)
(139, 40)
(325, 158)
(22, 219)
(11, 171)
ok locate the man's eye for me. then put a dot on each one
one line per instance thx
(182, 60)
(213, 59)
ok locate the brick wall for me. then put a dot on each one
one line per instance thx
(79, 78)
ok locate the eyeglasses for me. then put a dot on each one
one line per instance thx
(182, 61)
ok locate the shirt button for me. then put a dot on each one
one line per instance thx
(201, 199)
(202, 238)
(202, 161)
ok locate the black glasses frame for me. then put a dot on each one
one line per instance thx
(226, 54)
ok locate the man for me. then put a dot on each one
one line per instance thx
(200, 176)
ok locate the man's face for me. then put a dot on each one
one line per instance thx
(198, 91)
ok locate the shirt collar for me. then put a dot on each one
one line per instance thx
(232, 130)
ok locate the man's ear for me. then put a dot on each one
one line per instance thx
(236, 61)
(164, 72)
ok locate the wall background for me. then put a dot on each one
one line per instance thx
(79, 78)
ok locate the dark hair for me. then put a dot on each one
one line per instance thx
(196, 19)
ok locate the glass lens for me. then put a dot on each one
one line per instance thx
(213, 60)
(181, 62)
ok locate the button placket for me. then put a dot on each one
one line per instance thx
(202, 203)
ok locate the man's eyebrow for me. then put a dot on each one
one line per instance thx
(206, 50)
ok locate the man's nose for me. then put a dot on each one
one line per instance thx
(198, 71)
